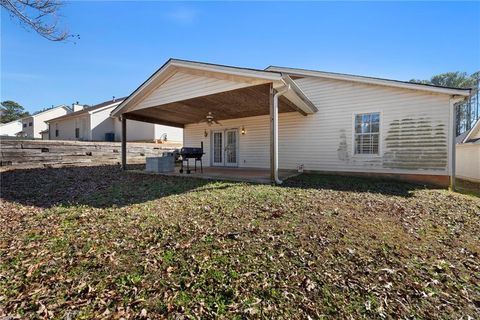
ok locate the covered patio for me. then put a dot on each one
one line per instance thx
(183, 93)
(233, 174)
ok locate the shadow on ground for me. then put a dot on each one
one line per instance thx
(107, 186)
(468, 187)
(96, 186)
(353, 184)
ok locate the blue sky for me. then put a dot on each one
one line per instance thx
(122, 43)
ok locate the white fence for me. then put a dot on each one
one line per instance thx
(468, 162)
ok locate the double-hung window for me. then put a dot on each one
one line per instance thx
(367, 133)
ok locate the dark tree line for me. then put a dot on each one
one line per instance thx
(468, 112)
(12, 111)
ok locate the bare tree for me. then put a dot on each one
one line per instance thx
(40, 15)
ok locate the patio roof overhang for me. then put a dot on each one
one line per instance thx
(183, 92)
(240, 103)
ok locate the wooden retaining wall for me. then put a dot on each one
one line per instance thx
(52, 153)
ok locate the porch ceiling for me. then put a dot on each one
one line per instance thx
(240, 103)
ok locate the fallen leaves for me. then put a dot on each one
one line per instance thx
(101, 243)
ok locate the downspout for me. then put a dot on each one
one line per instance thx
(275, 131)
(453, 145)
(454, 100)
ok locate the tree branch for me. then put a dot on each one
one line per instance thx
(40, 15)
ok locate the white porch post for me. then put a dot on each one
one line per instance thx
(275, 95)
(124, 142)
(272, 141)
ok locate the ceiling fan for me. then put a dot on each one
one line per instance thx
(210, 119)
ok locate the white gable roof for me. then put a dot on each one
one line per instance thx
(179, 80)
(371, 80)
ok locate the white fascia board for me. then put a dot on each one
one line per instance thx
(105, 107)
(241, 72)
(369, 80)
(304, 103)
(47, 111)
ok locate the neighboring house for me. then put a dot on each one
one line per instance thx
(45, 134)
(11, 129)
(468, 154)
(32, 126)
(95, 124)
(293, 118)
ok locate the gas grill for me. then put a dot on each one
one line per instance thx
(191, 153)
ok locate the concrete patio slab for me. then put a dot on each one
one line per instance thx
(230, 174)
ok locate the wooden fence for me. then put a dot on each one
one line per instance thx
(52, 153)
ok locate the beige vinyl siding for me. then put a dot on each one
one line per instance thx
(39, 122)
(101, 123)
(136, 130)
(468, 161)
(173, 134)
(413, 131)
(143, 131)
(182, 86)
(254, 146)
(66, 128)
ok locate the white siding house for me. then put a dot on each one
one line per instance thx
(11, 129)
(95, 124)
(468, 154)
(326, 122)
(33, 126)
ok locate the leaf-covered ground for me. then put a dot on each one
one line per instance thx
(96, 242)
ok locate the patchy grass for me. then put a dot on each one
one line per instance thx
(468, 187)
(97, 242)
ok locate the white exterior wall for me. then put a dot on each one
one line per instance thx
(413, 131)
(66, 128)
(39, 123)
(11, 128)
(143, 131)
(101, 123)
(94, 126)
(173, 134)
(136, 130)
(467, 162)
(27, 129)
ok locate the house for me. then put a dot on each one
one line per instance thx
(95, 124)
(286, 118)
(33, 125)
(11, 129)
(468, 154)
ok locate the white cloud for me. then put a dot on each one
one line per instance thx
(182, 15)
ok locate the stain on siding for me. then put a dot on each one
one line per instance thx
(415, 143)
(342, 150)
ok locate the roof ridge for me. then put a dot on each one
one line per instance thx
(368, 77)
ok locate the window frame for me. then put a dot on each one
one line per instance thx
(380, 141)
